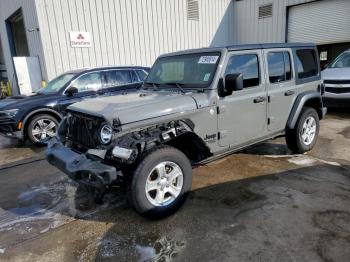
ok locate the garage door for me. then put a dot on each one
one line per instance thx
(320, 22)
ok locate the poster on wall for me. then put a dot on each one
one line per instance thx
(80, 39)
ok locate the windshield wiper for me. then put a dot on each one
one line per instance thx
(155, 85)
(178, 85)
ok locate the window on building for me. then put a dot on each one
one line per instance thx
(118, 78)
(279, 67)
(248, 66)
(88, 82)
(324, 56)
(306, 63)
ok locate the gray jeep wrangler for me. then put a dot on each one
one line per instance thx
(195, 106)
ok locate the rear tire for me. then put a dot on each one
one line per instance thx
(41, 129)
(161, 183)
(304, 137)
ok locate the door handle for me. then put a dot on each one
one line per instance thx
(289, 93)
(259, 99)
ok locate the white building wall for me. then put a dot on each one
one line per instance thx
(248, 28)
(7, 8)
(128, 32)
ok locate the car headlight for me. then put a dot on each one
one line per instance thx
(9, 113)
(106, 134)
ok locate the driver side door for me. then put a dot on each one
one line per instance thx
(87, 85)
(242, 116)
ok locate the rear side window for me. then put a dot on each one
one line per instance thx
(118, 78)
(306, 63)
(279, 67)
(248, 66)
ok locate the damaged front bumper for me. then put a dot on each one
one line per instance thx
(79, 167)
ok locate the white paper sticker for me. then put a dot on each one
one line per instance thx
(208, 59)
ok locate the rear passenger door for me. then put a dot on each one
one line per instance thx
(281, 87)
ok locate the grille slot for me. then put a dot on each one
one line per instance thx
(338, 90)
(341, 82)
(83, 131)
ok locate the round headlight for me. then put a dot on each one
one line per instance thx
(106, 134)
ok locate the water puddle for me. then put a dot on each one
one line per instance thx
(43, 208)
(165, 249)
(305, 160)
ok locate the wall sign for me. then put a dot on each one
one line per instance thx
(80, 39)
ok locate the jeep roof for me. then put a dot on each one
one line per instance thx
(240, 47)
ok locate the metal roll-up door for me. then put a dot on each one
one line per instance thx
(320, 22)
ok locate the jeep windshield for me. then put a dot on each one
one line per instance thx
(185, 71)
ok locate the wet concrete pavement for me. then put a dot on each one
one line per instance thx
(12, 150)
(262, 204)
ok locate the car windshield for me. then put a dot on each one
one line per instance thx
(56, 84)
(188, 71)
(342, 61)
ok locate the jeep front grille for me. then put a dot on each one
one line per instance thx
(83, 130)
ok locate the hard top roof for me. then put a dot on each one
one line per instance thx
(243, 47)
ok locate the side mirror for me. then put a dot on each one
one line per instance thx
(233, 82)
(71, 91)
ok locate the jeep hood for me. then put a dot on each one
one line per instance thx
(135, 107)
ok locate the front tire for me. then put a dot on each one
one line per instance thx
(41, 129)
(161, 183)
(304, 137)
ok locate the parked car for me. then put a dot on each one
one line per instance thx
(336, 79)
(36, 117)
(196, 106)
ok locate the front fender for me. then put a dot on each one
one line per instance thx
(312, 98)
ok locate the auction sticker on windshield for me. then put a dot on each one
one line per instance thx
(208, 59)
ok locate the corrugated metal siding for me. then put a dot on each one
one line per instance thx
(248, 28)
(128, 31)
(7, 8)
(321, 22)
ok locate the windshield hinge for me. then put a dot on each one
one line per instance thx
(219, 135)
(269, 99)
(218, 110)
(268, 121)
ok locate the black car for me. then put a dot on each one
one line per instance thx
(36, 117)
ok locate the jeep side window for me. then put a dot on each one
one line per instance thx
(306, 63)
(248, 66)
(279, 67)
